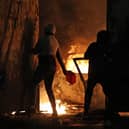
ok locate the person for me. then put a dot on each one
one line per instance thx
(48, 50)
(96, 54)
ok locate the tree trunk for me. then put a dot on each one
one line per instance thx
(19, 32)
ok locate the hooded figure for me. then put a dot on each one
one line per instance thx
(47, 49)
(96, 54)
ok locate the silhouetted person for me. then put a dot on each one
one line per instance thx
(47, 50)
(96, 56)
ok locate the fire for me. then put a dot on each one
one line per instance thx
(83, 64)
(62, 108)
(124, 114)
(46, 107)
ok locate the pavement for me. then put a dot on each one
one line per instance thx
(69, 121)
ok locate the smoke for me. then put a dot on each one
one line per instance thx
(76, 20)
(77, 23)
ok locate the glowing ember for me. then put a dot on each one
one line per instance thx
(46, 107)
(83, 64)
(13, 113)
(20, 112)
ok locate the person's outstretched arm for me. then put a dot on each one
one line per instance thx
(37, 48)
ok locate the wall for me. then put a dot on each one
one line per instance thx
(118, 26)
(118, 20)
(18, 33)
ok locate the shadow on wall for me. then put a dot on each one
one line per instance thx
(26, 60)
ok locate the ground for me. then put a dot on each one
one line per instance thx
(74, 121)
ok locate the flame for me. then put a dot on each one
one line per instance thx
(124, 114)
(83, 64)
(46, 107)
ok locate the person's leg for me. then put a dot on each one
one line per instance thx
(88, 94)
(33, 90)
(109, 114)
(48, 85)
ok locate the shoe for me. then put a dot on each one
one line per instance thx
(111, 115)
(107, 123)
(54, 115)
(85, 116)
(31, 110)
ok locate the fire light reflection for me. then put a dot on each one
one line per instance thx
(46, 107)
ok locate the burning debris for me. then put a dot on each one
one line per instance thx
(83, 64)
(46, 107)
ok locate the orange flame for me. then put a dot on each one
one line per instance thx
(61, 108)
(83, 64)
(46, 107)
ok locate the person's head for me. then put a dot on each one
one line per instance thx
(50, 29)
(102, 36)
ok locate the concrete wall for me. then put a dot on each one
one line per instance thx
(118, 25)
(18, 33)
(118, 19)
